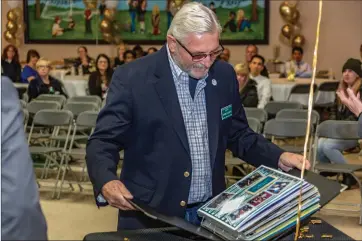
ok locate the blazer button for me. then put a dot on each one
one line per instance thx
(186, 174)
(182, 203)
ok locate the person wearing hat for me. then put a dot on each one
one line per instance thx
(330, 150)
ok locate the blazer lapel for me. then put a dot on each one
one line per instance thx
(213, 115)
(167, 93)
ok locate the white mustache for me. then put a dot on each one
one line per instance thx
(199, 66)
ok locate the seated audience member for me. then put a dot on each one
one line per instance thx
(119, 59)
(83, 60)
(250, 51)
(10, 65)
(297, 65)
(100, 79)
(330, 150)
(225, 55)
(151, 50)
(263, 84)
(129, 56)
(138, 51)
(247, 87)
(44, 83)
(29, 71)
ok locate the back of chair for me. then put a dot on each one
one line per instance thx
(78, 107)
(53, 118)
(336, 129)
(272, 108)
(254, 124)
(87, 119)
(328, 86)
(302, 89)
(259, 114)
(298, 114)
(48, 97)
(286, 128)
(36, 105)
(326, 93)
(89, 98)
(26, 117)
(23, 104)
(25, 97)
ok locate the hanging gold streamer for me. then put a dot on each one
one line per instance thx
(310, 108)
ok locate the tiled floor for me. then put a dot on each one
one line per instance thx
(75, 214)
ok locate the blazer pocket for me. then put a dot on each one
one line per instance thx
(139, 191)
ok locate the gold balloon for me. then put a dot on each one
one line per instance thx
(92, 4)
(298, 41)
(18, 13)
(287, 31)
(293, 19)
(109, 14)
(9, 37)
(116, 27)
(107, 37)
(105, 26)
(11, 27)
(286, 10)
(11, 15)
(117, 40)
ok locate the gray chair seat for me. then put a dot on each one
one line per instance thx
(293, 149)
(64, 137)
(43, 149)
(338, 168)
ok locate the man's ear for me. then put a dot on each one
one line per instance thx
(171, 42)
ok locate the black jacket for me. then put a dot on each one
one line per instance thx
(249, 94)
(38, 87)
(94, 83)
(11, 70)
(341, 112)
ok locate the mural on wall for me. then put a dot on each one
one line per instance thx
(137, 21)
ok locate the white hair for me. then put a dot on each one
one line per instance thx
(194, 18)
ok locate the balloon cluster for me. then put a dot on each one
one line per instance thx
(15, 24)
(290, 32)
(111, 28)
(176, 5)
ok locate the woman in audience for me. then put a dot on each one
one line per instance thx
(151, 50)
(330, 150)
(119, 59)
(129, 56)
(84, 61)
(100, 79)
(29, 72)
(10, 65)
(247, 87)
(138, 50)
(44, 83)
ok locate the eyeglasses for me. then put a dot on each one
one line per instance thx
(200, 56)
(43, 66)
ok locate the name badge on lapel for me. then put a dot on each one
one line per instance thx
(226, 112)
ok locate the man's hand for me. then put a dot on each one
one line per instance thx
(352, 101)
(288, 161)
(116, 194)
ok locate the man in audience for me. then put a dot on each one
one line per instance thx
(21, 214)
(174, 119)
(297, 65)
(225, 55)
(250, 51)
(263, 83)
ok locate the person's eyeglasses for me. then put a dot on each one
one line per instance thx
(201, 56)
(43, 66)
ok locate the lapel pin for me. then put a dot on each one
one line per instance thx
(214, 82)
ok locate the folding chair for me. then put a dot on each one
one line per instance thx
(273, 107)
(52, 119)
(89, 98)
(287, 128)
(26, 118)
(298, 114)
(254, 124)
(300, 93)
(343, 130)
(326, 95)
(23, 104)
(259, 114)
(49, 97)
(25, 97)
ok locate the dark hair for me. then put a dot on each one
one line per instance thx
(32, 53)
(232, 13)
(256, 47)
(83, 47)
(129, 52)
(137, 47)
(56, 19)
(299, 49)
(258, 57)
(109, 71)
(5, 53)
(152, 48)
(212, 3)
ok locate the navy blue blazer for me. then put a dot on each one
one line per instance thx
(142, 115)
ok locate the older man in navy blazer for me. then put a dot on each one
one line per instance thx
(174, 113)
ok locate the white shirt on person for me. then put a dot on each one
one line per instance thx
(302, 69)
(263, 88)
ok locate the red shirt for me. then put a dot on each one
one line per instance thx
(87, 13)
